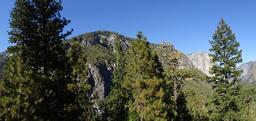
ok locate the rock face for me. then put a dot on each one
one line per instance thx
(100, 80)
(186, 61)
(104, 38)
(249, 72)
(100, 70)
(202, 61)
(101, 47)
(165, 49)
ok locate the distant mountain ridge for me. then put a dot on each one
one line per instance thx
(100, 69)
(100, 48)
(202, 61)
(249, 72)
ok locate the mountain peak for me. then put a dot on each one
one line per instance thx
(202, 61)
(249, 72)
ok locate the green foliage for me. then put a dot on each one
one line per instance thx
(142, 63)
(15, 96)
(2, 63)
(197, 91)
(149, 100)
(77, 59)
(142, 83)
(174, 80)
(79, 86)
(46, 79)
(248, 103)
(37, 71)
(225, 56)
(115, 109)
(98, 54)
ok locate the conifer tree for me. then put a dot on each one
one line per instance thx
(115, 107)
(79, 85)
(171, 68)
(37, 73)
(142, 82)
(225, 54)
(142, 63)
(173, 81)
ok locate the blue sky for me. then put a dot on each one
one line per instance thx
(188, 24)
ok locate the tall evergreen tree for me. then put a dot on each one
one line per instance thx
(115, 107)
(82, 107)
(225, 54)
(174, 77)
(37, 76)
(142, 63)
(142, 82)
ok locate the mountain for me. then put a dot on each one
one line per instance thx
(249, 72)
(100, 48)
(202, 61)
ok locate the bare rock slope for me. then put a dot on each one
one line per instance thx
(202, 61)
(249, 72)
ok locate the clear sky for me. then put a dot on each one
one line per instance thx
(188, 24)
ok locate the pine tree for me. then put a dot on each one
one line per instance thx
(37, 81)
(82, 107)
(15, 95)
(142, 82)
(171, 68)
(142, 63)
(173, 81)
(149, 100)
(115, 107)
(225, 55)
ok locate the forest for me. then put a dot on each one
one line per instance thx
(105, 76)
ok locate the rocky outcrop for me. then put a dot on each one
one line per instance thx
(99, 78)
(100, 70)
(202, 61)
(100, 47)
(186, 62)
(249, 72)
(103, 38)
(167, 49)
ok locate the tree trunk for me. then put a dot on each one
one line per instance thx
(175, 93)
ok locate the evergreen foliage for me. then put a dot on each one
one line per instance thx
(115, 109)
(81, 106)
(37, 72)
(225, 56)
(45, 78)
(142, 82)
(247, 103)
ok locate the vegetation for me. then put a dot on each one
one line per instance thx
(115, 109)
(48, 79)
(225, 56)
(2, 62)
(142, 82)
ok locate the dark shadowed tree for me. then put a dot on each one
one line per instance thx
(37, 73)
